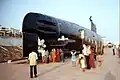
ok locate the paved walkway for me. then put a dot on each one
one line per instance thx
(110, 70)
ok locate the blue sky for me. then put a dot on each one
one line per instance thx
(105, 13)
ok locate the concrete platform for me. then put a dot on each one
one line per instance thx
(110, 70)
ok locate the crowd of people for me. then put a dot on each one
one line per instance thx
(87, 59)
(56, 55)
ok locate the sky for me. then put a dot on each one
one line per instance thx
(105, 13)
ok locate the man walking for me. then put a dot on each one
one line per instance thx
(113, 48)
(33, 63)
(86, 51)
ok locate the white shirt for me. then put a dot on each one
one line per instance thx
(43, 53)
(32, 58)
(84, 50)
(113, 47)
(88, 51)
(73, 52)
(46, 53)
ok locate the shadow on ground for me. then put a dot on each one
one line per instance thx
(109, 76)
(119, 62)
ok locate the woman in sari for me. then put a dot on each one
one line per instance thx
(61, 56)
(92, 59)
(53, 55)
(57, 55)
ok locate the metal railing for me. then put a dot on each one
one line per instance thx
(5, 33)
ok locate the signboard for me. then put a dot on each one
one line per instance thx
(82, 34)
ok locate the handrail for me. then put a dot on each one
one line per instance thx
(4, 48)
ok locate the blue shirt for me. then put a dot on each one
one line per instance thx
(73, 56)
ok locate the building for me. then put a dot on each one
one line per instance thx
(5, 31)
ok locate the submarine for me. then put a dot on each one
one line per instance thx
(37, 25)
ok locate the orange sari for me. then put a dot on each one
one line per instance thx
(53, 55)
(58, 56)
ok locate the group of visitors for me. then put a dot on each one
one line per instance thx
(56, 55)
(87, 58)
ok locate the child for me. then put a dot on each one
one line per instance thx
(99, 59)
(82, 63)
(73, 58)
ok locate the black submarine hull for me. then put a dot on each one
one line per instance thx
(50, 29)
